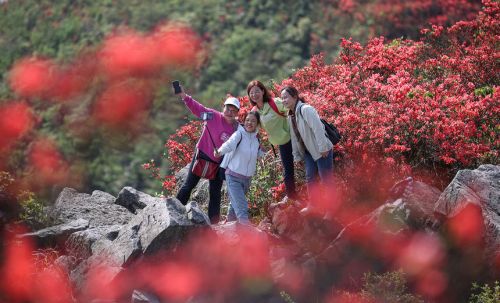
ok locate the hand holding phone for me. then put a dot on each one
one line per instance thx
(205, 116)
(177, 87)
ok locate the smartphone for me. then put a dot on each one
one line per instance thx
(206, 116)
(177, 87)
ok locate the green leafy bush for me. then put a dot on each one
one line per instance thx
(389, 287)
(485, 293)
(32, 211)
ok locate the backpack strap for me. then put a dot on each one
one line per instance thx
(241, 138)
(323, 121)
(294, 126)
(274, 151)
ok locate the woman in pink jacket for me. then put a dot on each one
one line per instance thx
(220, 127)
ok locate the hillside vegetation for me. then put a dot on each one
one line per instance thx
(238, 41)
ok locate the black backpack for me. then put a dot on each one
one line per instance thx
(331, 132)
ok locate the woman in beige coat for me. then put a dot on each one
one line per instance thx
(309, 143)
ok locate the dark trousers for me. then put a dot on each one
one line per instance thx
(287, 162)
(214, 188)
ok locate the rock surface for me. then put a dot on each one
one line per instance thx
(106, 237)
(99, 208)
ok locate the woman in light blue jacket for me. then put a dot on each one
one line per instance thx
(242, 149)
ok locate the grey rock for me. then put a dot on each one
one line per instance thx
(196, 215)
(161, 225)
(99, 208)
(133, 200)
(79, 244)
(92, 269)
(140, 296)
(421, 199)
(51, 236)
(410, 206)
(236, 234)
(310, 233)
(286, 220)
(480, 187)
(68, 263)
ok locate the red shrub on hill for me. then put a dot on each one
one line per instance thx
(405, 105)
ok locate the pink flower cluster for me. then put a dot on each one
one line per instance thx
(426, 103)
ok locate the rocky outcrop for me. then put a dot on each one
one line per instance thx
(80, 244)
(114, 237)
(99, 209)
(101, 231)
(481, 188)
(310, 233)
(414, 211)
(134, 200)
(51, 236)
(409, 207)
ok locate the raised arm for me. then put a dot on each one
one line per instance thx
(194, 106)
(229, 145)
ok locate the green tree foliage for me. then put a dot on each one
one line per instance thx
(485, 293)
(243, 40)
(389, 287)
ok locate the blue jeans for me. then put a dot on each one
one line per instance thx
(238, 207)
(286, 155)
(322, 168)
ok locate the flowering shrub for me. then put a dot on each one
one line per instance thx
(394, 18)
(414, 104)
(404, 106)
(61, 109)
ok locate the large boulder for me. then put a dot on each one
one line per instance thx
(58, 234)
(79, 244)
(99, 208)
(420, 198)
(479, 188)
(133, 200)
(410, 206)
(161, 226)
(310, 233)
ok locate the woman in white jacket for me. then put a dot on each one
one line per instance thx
(309, 143)
(242, 150)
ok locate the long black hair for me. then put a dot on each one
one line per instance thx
(292, 91)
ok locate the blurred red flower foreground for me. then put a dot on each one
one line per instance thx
(205, 264)
(113, 85)
(402, 105)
